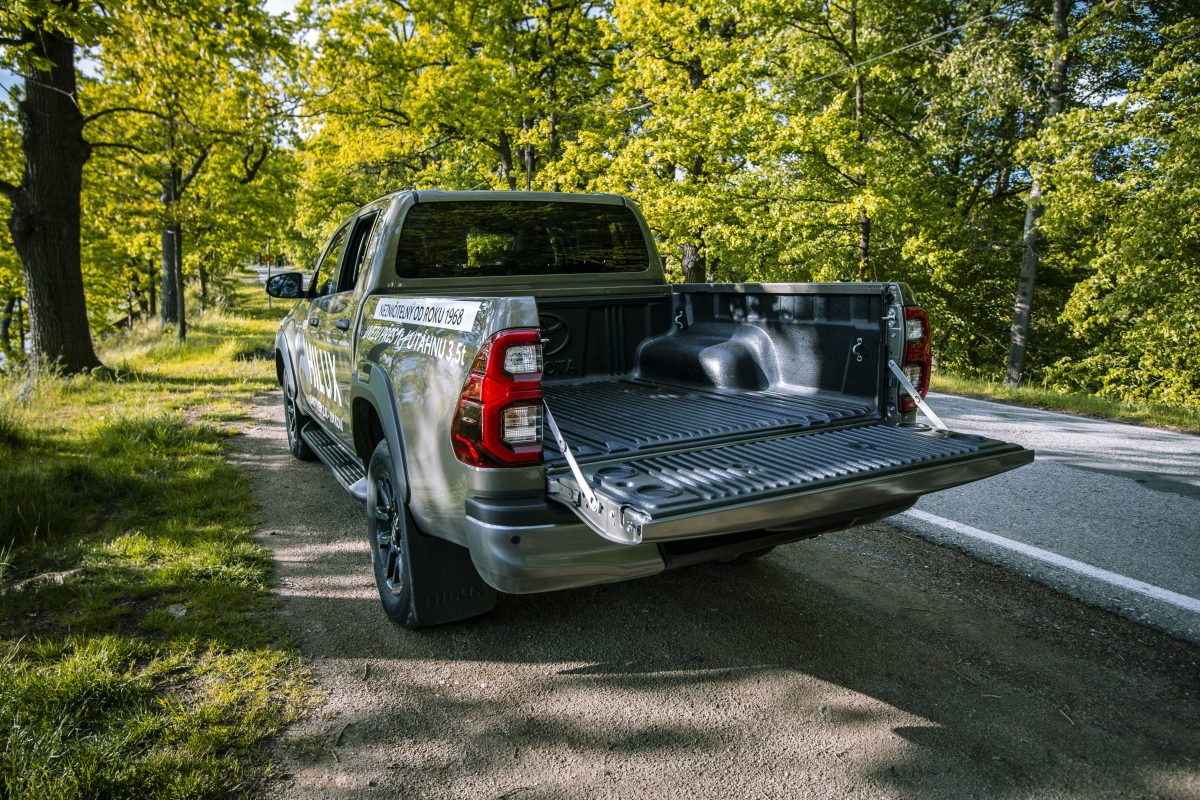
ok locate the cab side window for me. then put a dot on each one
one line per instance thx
(323, 282)
(356, 252)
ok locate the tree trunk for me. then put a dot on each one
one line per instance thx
(506, 161)
(1030, 252)
(864, 219)
(203, 285)
(169, 237)
(171, 286)
(695, 266)
(6, 319)
(1031, 241)
(150, 287)
(20, 327)
(45, 218)
(864, 245)
(172, 265)
(530, 160)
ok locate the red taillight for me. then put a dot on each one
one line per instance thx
(917, 354)
(498, 422)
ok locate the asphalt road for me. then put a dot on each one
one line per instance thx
(1114, 510)
(863, 664)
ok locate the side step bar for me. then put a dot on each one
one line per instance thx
(344, 465)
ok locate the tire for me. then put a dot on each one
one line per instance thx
(294, 421)
(388, 525)
(748, 556)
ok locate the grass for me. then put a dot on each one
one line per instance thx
(1186, 420)
(139, 655)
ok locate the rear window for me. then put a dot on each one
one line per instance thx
(495, 238)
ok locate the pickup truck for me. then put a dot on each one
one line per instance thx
(524, 404)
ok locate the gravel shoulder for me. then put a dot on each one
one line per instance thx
(862, 664)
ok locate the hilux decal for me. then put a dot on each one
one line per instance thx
(323, 374)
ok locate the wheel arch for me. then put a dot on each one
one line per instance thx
(374, 419)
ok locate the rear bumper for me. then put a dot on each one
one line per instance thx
(553, 555)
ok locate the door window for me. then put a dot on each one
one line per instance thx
(356, 252)
(323, 281)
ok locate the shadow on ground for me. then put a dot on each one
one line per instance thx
(860, 664)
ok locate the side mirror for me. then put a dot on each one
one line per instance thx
(288, 285)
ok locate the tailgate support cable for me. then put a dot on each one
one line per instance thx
(593, 503)
(915, 395)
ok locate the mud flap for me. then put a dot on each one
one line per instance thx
(446, 587)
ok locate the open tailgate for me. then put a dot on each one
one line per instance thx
(774, 481)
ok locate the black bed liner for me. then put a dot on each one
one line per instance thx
(706, 478)
(624, 416)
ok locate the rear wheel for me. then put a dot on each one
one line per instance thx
(295, 421)
(387, 533)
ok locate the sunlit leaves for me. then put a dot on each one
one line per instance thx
(1127, 193)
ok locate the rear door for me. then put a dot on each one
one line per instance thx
(316, 381)
(331, 325)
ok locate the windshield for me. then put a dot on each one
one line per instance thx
(497, 238)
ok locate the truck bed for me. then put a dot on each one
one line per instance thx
(620, 416)
(731, 409)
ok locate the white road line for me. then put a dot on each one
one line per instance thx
(1112, 578)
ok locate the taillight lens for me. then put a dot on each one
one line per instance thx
(521, 424)
(498, 421)
(917, 354)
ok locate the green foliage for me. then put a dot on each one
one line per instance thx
(1127, 197)
(878, 139)
(190, 135)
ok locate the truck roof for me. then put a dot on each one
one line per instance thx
(439, 196)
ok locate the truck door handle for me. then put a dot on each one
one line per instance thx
(343, 324)
(314, 321)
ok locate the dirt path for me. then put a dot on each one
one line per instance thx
(863, 664)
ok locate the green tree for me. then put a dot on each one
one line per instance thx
(682, 126)
(470, 94)
(39, 38)
(1057, 88)
(204, 87)
(1126, 196)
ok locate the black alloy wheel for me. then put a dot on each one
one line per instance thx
(387, 530)
(294, 421)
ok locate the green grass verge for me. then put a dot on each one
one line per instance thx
(139, 655)
(1186, 420)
